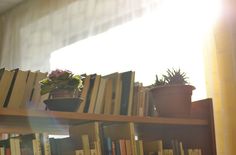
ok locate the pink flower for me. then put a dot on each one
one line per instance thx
(58, 73)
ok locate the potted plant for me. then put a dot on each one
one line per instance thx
(172, 94)
(63, 87)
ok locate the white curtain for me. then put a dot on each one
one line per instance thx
(36, 28)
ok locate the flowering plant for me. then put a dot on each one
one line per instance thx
(60, 79)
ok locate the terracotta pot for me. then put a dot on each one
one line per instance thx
(173, 100)
(62, 93)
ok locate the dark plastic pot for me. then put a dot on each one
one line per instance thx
(63, 104)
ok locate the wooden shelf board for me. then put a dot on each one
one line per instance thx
(70, 118)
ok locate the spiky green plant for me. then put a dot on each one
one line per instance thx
(172, 77)
(175, 77)
(159, 82)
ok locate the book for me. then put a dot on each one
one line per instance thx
(122, 147)
(32, 143)
(91, 129)
(122, 131)
(2, 151)
(94, 93)
(107, 145)
(85, 143)
(46, 144)
(89, 93)
(5, 83)
(36, 101)
(108, 97)
(17, 146)
(181, 148)
(153, 146)
(65, 146)
(79, 152)
(28, 89)
(17, 89)
(53, 146)
(99, 105)
(127, 79)
(93, 152)
(36, 147)
(12, 146)
(117, 147)
(128, 147)
(115, 89)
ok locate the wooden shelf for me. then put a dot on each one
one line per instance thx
(21, 120)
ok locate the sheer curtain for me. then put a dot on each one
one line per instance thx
(221, 78)
(35, 28)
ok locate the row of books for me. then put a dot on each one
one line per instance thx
(29, 144)
(174, 147)
(110, 94)
(115, 93)
(21, 89)
(120, 139)
(94, 138)
(40, 144)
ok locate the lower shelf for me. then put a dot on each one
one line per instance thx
(15, 120)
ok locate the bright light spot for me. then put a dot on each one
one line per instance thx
(172, 36)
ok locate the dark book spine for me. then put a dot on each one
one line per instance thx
(108, 146)
(11, 87)
(101, 126)
(126, 82)
(53, 146)
(92, 80)
(117, 147)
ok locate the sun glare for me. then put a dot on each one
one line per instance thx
(171, 36)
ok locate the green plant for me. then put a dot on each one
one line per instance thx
(60, 79)
(159, 82)
(172, 77)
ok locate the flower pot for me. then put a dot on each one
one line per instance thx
(63, 104)
(173, 100)
(62, 93)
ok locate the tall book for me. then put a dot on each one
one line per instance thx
(139, 144)
(28, 89)
(127, 79)
(85, 143)
(116, 86)
(107, 143)
(17, 89)
(108, 97)
(128, 147)
(89, 93)
(99, 105)
(122, 147)
(94, 93)
(36, 96)
(2, 151)
(5, 83)
(46, 144)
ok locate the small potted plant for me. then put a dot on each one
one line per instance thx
(62, 86)
(172, 94)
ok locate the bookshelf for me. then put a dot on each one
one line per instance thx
(195, 130)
